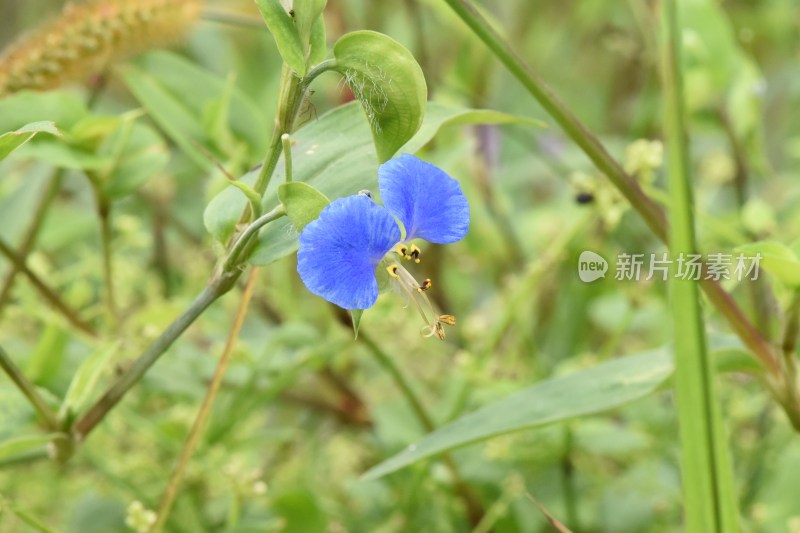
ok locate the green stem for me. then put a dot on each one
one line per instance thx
(47, 416)
(568, 479)
(48, 293)
(290, 100)
(203, 415)
(475, 510)
(709, 492)
(286, 140)
(652, 214)
(239, 249)
(31, 234)
(789, 360)
(789, 344)
(104, 214)
(218, 286)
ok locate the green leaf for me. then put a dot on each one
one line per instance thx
(198, 89)
(729, 354)
(224, 210)
(12, 140)
(62, 108)
(216, 118)
(388, 82)
(45, 362)
(709, 492)
(287, 38)
(439, 116)
(307, 14)
(85, 380)
(250, 193)
(62, 155)
(318, 46)
(169, 112)
(89, 133)
(139, 153)
(777, 259)
(303, 203)
(590, 391)
(334, 164)
(24, 444)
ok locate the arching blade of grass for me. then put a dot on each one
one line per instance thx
(593, 390)
(708, 487)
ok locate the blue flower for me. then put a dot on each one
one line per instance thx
(341, 250)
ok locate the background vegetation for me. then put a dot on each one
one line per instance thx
(305, 409)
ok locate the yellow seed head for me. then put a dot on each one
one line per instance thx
(87, 38)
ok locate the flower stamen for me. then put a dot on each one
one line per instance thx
(416, 293)
(414, 253)
(392, 270)
(408, 252)
(450, 320)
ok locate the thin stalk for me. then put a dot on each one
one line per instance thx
(650, 212)
(788, 349)
(55, 300)
(290, 100)
(286, 141)
(709, 493)
(238, 251)
(568, 479)
(203, 415)
(160, 260)
(106, 239)
(47, 416)
(557, 525)
(792, 328)
(760, 294)
(475, 510)
(218, 286)
(32, 233)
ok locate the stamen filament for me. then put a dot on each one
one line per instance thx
(416, 293)
(402, 275)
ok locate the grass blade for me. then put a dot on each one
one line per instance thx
(709, 495)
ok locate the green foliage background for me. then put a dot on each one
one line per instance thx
(305, 410)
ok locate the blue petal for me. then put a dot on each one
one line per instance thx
(341, 249)
(428, 202)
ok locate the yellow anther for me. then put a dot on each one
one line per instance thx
(392, 270)
(414, 253)
(402, 250)
(438, 330)
(425, 286)
(450, 320)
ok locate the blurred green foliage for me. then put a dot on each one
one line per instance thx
(305, 410)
